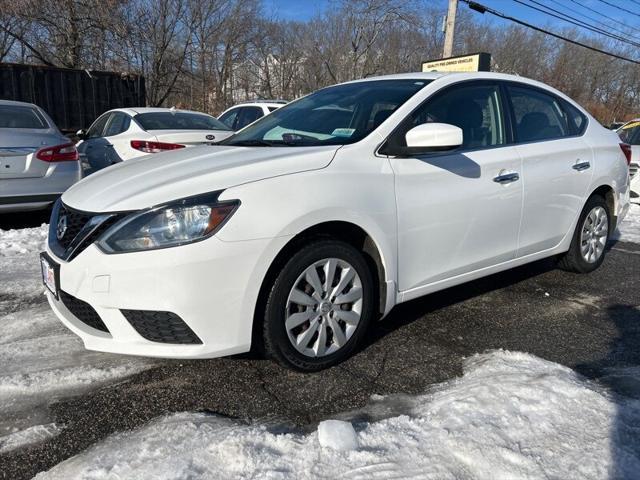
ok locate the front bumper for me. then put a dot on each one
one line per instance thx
(211, 285)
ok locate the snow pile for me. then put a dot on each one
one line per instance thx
(20, 283)
(24, 241)
(30, 435)
(511, 415)
(629, 229)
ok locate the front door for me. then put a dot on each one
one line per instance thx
(458, 211)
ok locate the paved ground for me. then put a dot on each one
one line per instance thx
(588, 322)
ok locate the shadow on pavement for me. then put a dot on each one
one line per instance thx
(30, 219)
(619, 371)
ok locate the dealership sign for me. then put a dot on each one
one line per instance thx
(477, 62)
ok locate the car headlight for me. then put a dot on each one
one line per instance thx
(176, 223)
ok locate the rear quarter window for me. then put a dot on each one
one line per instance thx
(17, 116)
(577, 120)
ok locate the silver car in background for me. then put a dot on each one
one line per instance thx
(37, 162)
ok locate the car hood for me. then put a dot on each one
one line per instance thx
(154, 179)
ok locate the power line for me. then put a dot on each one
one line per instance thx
(601, 14)
(615, 29)
(482, 9)
(619, 8)
(574, 21)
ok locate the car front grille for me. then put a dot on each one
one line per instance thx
(83, 311)
(72, 231)
(161, 327)
(75, 221)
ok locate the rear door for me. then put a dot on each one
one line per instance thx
(556, 165)
(23, 131)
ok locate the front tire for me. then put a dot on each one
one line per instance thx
(587, 250)
(319, 307)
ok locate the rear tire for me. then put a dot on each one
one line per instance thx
(312, 323)
(588, 245)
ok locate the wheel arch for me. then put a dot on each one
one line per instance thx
(342, 230)
(607, 192)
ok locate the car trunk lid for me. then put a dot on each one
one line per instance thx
(190, 137)
(17, 152)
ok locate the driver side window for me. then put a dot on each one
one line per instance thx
(95, 131)
(474, 108)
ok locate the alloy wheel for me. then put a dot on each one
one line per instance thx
(324, 307)
(593, 237)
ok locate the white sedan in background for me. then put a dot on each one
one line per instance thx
(127, 133)
(239, 116)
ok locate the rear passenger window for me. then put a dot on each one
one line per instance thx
(538, 116)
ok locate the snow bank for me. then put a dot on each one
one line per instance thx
(23, 241)
(510, 416)
(20, 284)
(629, 229)
(28, 436)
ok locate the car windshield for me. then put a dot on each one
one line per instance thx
(178, 121)
(15, 116)
(630, 133)
(332, 116)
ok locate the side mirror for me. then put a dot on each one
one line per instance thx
(433, 137)
(81, 134)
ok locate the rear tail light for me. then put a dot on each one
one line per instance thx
(154, 147)
(59, 153)
(626, 149)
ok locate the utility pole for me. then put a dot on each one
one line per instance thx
(449, 29)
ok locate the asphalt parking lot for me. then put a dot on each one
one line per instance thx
(588, 322)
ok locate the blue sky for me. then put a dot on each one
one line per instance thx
(305, 9)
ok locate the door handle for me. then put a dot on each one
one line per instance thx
(507, 178)
(579, 166)
(109, 145)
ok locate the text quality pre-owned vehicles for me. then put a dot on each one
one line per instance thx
(239, 116)
(630, 134)
(37, 162)
(128, 133)
(296, 233)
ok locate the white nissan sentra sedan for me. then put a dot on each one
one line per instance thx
(302, 229)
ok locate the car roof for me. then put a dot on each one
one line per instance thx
(460, 75)
(133, 111)
(260, 103)
(19, 104)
